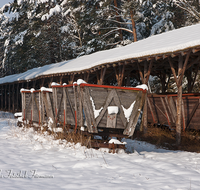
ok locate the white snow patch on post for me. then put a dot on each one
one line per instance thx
(127, 112)
(55, 84)
(32, 90)
(96, 112)
(46, 89)
(142, 86)
(113, 110)
(80, 81)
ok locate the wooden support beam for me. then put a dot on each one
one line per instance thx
(163, 82)
(2, 97)
(173, 70)
(120, 74)
(155, 120)
(140, 72)
(146, 77)
(188, 74)
(182, 71)
(194, 50)
(86, 76)
(13, 97)
(9, 98)
(6, 97)
(71, 78)
(193, 62)
(18, 97)
(61, 80)
(42, 82)
(179, 103)
(103, 72)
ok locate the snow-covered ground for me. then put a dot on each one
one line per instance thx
(29, 160)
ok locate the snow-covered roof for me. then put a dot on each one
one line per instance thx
(168, 42)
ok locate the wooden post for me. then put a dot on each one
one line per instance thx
(86, 76)
(181, 71)
(13, 97)
(61, 79)
(71, 80)
(18, 97)
(80, 106)
(65, 106)
(178, 120)
(55, 102)
(145, 78)
(42, 82)
(32, 106)
(9, 98)
(145, 123)
(179, 102)
(75, 101)
(120, 74)
(2, 96)
(23, 106)
(189, 78)
(6, 98)
(162, 78)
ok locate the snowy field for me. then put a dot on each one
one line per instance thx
(33, 161)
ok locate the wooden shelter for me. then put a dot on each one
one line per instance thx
(175, 53)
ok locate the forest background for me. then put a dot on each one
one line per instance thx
(35, 33)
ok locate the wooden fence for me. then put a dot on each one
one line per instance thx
(162, 110)
(91, 107)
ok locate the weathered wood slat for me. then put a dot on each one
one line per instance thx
(107, 102)
(193, 112)
(166, 112)
(135, 115)
(155, 120)
(48, 107)
(169, 108)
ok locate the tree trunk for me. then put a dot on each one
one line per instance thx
(133, 26)
(118, 19)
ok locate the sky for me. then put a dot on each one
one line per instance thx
(3, 2)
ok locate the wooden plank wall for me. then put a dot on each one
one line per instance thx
(75, 105)
(162, 110)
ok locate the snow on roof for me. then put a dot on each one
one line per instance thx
(171, 41)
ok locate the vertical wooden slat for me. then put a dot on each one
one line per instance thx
(65, 106)
(17, 97)
(2, 97)
(32, 106)
(55, 103)
(13, 98)
(155, 120)
(80, 107)
(169, 108)
(9, 98)
(6, 97)
(166, 112)
(144, 120)
(23, 107)
(179, 102)
(75, 101)
(183, 116)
